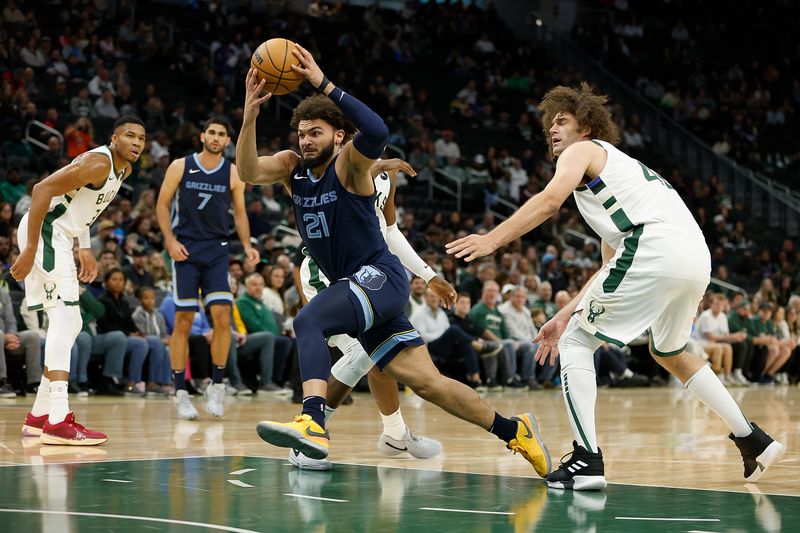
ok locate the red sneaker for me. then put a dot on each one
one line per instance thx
(71, 433)
(33, 425)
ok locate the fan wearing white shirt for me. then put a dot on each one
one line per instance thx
(715, 337)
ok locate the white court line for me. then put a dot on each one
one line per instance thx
(316, 498)
(117, 480)
(532, 478)
(239, 483)
(142, 518)
(699, 531)
(464, 511)
(666, 519)
(242, 471)
(126, 460)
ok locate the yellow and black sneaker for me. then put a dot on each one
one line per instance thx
(530, 445)
(303, 434)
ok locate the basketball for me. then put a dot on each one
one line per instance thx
(273, 61)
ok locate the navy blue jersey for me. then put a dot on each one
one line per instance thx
(202, 204)
(339, 228)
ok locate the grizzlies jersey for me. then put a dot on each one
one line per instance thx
(201, 209)
(339, 228)
(73, 212)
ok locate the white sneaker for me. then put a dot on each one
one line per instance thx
(183, 404)
(215, 399)
(738, 378)
(302, 462)
(416, 445)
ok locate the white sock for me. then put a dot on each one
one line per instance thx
(627, 373)
(579, 382)
(580, 394)
(329, 412)
(394, 425)
(707, 388)
(41, 406)
(59, 404)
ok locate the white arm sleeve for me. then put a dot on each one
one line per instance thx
(84, 239)
(400, 247)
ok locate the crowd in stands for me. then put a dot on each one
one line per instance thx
(732, 80)
(471, 114)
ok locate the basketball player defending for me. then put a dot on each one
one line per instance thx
(656, 269)
(63, 207)
(332, 192)
(355, 363)
(200, 189)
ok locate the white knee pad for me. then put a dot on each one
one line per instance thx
(576, 347)
(64, 324)
(354, 364)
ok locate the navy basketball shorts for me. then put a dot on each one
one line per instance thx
(380, 292)
(203, 275)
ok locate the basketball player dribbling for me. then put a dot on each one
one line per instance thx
(332, 193)
(193, 211)
(396, 437)
(63, 207)
(656, 267)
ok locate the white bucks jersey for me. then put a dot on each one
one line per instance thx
(383, 186)
(76, 210)
(631, 207)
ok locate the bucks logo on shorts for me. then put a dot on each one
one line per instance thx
(370, 278)
(49, 288)
(595, 310)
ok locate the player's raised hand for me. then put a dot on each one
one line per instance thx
(252, 97)
(88, 265)
(307, 67)
(471, 247)
(393, 165)
(548, 338)
(24, 263)
(443, 290)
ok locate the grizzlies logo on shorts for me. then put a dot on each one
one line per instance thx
(370, 278)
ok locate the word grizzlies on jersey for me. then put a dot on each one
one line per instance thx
(315, 201)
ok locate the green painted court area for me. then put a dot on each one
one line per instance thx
(258, 494)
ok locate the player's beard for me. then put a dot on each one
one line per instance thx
(210, 149)
(321, 157)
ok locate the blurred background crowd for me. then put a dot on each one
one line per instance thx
(466, 120)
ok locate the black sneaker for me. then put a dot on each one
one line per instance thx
(493, 385)
(515, 383)
(758, 450)
(582, 471)
(6, 391)
(72, 387)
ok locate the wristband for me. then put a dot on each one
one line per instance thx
(324, 84)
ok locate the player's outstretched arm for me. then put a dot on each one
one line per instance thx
(399, 245)
(356, 157)
(251, 168)
(570, 169)
(550, 333)
(90, 168)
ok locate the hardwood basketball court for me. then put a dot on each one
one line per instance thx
(668, 461)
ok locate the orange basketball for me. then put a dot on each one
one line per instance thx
(273, 62)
